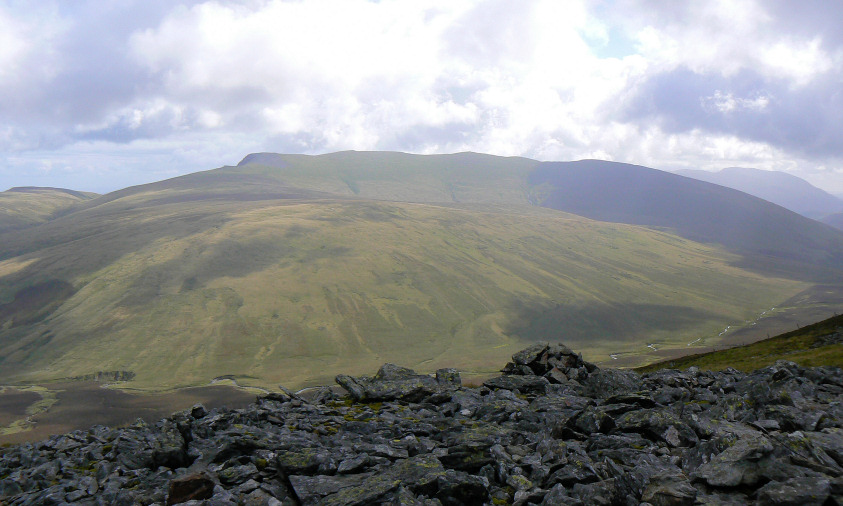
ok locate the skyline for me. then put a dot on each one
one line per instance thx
(97, 98)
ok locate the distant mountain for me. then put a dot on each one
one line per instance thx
(23, 207)
(779, 188)
(291, 268)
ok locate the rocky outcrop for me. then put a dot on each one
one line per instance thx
(552, 429)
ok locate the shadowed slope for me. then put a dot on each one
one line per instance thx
(834, 220)
(768, 236)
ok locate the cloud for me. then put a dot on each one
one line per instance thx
(665, 84)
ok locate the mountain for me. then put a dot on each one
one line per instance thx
(779, 188)
(835, 220)
(291, 268)
(26, 206)
(703, 212)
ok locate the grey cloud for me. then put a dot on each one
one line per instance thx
(809, 19)
(92, 72)
(800, 120)
(806, 19)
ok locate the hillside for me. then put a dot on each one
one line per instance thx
(290, 268)
(818, 344)
(780, 188)
(769, 237)
(27, 206)
(834, 220)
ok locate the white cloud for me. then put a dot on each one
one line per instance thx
(727, 103)
(496, 76)
(27, 53)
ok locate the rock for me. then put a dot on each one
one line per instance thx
(457, 488)
(605, 383)
(591, 420)
(312, 489)
(522, 384)
(736, 465)
(393, 382)
(530, 355)
(448, 378)
(139, 447)
(188, 488)
(670, 490)
(795, 492)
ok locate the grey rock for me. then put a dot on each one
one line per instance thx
(312, 489)
(669, 490)
(736, 465)
(456, 488)
(522, 384)
(795, 492)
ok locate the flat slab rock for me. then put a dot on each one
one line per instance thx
(551, 429)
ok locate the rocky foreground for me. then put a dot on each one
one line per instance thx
(552, 429)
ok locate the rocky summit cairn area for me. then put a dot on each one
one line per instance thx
(552, 429)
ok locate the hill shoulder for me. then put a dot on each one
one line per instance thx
(26, 206)
(819, 344)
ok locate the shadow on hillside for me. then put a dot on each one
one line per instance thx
(33, 303)
(541, 320)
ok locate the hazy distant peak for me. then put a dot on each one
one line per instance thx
(780, 188)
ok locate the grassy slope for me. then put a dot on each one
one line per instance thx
(298, 290)
(803, 346)
(25, 207)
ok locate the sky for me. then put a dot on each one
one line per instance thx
(97, 96)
